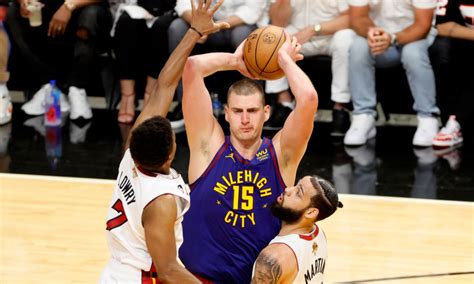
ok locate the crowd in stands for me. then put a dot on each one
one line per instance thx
(432, 40)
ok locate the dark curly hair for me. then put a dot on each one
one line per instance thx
(326, 198)
(152, 142)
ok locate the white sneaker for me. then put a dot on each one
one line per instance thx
(449, 135)
(425, 132)
(35, 106)
(362, 128)
(6, 107)
(79, 105)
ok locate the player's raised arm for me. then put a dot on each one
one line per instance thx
(291, 141)
(202, 24)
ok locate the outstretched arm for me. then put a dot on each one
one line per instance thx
(275, 264)
(204, 133)
(158, 221)
(170, 75)
(291, 141)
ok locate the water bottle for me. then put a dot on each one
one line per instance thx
(216, 104)
(52, 114)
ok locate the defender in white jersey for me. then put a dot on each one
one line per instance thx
(299, 253)
(150, 198)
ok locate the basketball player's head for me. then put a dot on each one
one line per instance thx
(246, 111)
(152, 144)
(312, 199)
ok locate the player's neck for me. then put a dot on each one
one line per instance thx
(297, 228)
(246, 149)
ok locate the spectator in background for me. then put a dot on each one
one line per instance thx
(141, 47)
(322, 27)
(5, 100)
(452, 56)
(390, 32)
(81, 24)
(243, 17)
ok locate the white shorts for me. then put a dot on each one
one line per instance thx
(116, 272)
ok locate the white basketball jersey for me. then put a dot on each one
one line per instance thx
(134, 190)
(311, 254)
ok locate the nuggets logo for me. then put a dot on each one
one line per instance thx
(243, 186)
(262, 155)
(269, 38)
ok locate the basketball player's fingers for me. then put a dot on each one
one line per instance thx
(218, 4)
(207, 4)
(213, 9)
(287, 36)
(200, 3)
(223, 25)
(299, 57)
(193, 6)
(294, 41)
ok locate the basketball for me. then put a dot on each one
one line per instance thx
(261, 52)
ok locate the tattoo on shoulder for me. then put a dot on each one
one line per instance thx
(267, 270)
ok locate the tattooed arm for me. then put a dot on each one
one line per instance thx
(275, 264)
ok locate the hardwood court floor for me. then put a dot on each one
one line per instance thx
(52, 230)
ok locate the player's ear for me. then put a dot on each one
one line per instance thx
(266, 110)
(226, 112)
(312, 213)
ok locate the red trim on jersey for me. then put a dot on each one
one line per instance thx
(150, 277)
(146, 172)
(311, 236)
(202, 279)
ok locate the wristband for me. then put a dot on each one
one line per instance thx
(194, 29)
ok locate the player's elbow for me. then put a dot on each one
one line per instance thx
(189, 71)
(309, 97)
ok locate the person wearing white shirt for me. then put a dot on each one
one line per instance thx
(322, 27)
(242, 15)
(389, 33)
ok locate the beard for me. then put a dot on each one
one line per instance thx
(287, 215)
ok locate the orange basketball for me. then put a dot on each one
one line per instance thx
(261, 52)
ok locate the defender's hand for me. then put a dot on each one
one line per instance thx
(202, 17)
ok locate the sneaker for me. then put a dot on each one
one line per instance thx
(176, 118)
(278, 117)
(6, 108)
(425, 132)
(425, 155)
(78, 133)
(449, 135)
(363, 155)
(362, 128)
(35, 106)
(340, 122)
(79, 105)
